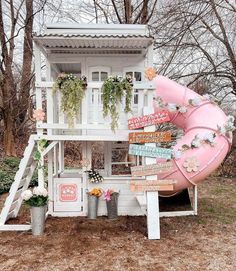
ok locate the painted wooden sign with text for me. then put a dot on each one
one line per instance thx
(152, 185)
(153, 169)
(148, 120)
(148, 151)
(149, 137)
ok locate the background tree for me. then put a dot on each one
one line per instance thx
(16, 23)
(195, 43)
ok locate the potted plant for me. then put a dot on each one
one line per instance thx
(113, 90)
(72, 89)
(93, 196)
(111, 198)
(37, 200)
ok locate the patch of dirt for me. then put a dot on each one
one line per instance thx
(204, 242)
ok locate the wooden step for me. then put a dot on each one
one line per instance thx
(15, 227)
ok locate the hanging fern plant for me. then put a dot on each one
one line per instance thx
(113, 90)
(72, 89)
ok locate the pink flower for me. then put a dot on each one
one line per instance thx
(61, 75)
(150, 73)
(108, 193)
(39, 114)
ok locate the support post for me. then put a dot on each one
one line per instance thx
(61, 156)
(195, 199)
(153, 219)
(50, 182)
(40, 169)
(38, 77)
(152, 197)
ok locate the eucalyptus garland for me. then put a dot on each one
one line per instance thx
(72, 89)
(113, 90)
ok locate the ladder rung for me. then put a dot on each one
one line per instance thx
(22, 182)
(27, 170)
(14, 204)
(18, 194)
(10, 215)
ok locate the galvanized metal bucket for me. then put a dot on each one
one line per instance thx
(112, 206)
(38, 219)
(92, 206)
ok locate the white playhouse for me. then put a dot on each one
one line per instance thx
(95, 52)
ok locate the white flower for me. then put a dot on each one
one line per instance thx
(206, 97)
(221, 130)
(172, 107)
(196, 143)
(159, 102)
(195, 102)
(208, 137)
(26, 195)
(177, 154)
(230, 118)
(183, 109)
(40, 191)
(229, 126)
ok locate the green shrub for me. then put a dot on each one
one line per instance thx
(11, 162)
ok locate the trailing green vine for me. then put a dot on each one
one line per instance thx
(113, 90)
(37, 155)
(72, 89)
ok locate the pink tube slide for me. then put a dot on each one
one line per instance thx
(206, 139)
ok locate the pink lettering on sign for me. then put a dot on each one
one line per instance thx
(68, 192)
(148, 120)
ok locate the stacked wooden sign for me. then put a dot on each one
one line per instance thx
(151, 185)
(135, 148)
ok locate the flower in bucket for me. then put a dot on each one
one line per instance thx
(36, 198)
(108, 193)
(95, 192)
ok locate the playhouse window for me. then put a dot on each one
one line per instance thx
(137, 76)
(95, 76)
(98, 156)
(121, 161)
(99, 76)
(104, 76)
(136, 96)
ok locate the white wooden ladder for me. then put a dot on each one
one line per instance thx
(21, 183)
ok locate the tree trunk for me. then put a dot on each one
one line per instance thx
(26, 77)
(9, 137)
(144, 16)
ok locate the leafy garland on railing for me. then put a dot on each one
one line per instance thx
(37, 155)
(72, 89)
(113, 90)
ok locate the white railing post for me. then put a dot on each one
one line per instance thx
(38, 89)
(84, 110)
